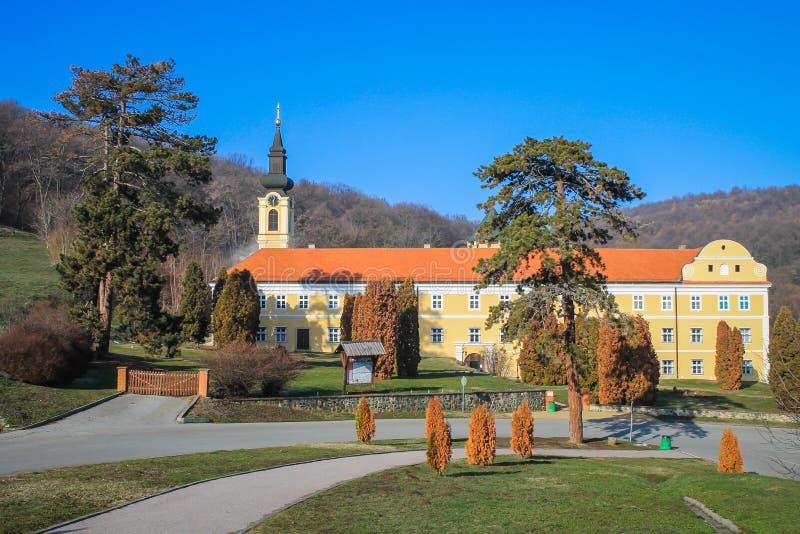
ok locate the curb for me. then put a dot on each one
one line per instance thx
(717, 522)
(67, 414)
(682, 413)
(181, 417)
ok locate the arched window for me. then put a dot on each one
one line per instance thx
(272, 221)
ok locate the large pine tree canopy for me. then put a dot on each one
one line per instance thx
(133, 198)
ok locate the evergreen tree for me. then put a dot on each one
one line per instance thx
(365, 422)
(131, 201)
(553, 203)
(641, 363)
(195, 304)
(540, 357)
(407, 348)
(736, 359)
(610, 367)
(480, 447)
(346, 320)
(784, 361)
(377, 319)
(236, 315)
(722, 359)
(730, 456)
(522, 430)
(587, 331)
(219, 285)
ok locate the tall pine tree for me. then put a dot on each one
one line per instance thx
(195, 304)
(407, 348)
(131, 195)
(552, 204)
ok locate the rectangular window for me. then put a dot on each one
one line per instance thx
(503, 337)
(697, 335)
(333, 334)
(747, 336)
(261, 334)
(302, 302)
(638, 302)
(504, 298)
(696, 303)
(280, 334)
(666, 302)
(747, 367)
(697, 367)
(474, 335)
(437, 335)
(711, 268)
(436, 302)
(667, 335)
(738, 268)
(333, 302)
(667, 367)
(262, 300)
(280, 302)
(724, 303)
(474, 302)
(744, 302)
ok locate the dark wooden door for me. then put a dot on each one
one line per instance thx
(302, 339)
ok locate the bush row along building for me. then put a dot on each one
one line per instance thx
(683, 293)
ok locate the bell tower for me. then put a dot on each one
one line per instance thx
(276, 208)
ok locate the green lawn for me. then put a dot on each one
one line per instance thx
(26, 273)
(706, 394)
(323, 376)
(547, 495)
(32, 501)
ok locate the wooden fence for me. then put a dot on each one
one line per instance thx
(175, 384)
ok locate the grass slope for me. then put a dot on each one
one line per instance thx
(707, 395)
(546, 495)
(26, 273)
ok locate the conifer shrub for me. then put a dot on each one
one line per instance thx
(627, 362)
(481, 442)
(236, 314)
(784, 361)
(195, 304)
(375, 317)
(365, 421)
(609, 364)
(46, 347)
(439, 440)
(433, 414)
(407, 349)
(730, 457)
(729, 355)
(240, 369)
(522, 430)
(346, 320)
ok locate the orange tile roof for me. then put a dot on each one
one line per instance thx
(438, 264)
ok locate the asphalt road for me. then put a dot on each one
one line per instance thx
(133, 426)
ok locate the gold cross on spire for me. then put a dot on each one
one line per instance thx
(278, 114)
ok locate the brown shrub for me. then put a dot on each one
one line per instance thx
(365, 422)
(481, 442)
(239, 368)
(46, 347)
(730, 457)
(439, 443)
(522, 430)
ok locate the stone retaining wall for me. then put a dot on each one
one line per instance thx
(498, 401)
(681, 412)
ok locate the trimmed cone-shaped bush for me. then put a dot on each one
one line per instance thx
(730, 457)
(365, 422)
(522, 430)
(433, 413)
(481, 442)
(610, 365)
(439, 442)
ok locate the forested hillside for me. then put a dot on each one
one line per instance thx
(766, 221)
(41, 165)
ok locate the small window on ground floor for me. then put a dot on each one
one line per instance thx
(747, 367)
(261, 334)
(280, 334)
(667, 367)
(333, 334)
(697, 367)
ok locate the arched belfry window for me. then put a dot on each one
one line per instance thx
(272, 221)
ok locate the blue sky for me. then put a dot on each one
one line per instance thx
(405, 100)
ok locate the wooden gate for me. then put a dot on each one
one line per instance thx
(175, 384)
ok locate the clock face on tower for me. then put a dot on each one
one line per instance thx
(272, 200)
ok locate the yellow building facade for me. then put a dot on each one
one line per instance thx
(682, 293)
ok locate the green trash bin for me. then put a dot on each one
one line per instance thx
(551, 406)
(666, 443)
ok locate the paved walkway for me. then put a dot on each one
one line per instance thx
(137, 426)
(234, 503)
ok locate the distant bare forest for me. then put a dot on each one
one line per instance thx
(41, 166)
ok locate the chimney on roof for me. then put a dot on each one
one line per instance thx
(312, 245)
(426, 245)
(682, 247)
